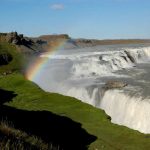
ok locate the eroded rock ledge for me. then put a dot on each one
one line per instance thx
(114, 84)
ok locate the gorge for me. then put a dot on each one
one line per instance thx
(84, 72)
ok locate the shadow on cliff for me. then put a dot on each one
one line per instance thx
(52, 128)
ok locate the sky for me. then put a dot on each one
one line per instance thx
(96, 19)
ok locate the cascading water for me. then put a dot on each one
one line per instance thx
(82, 73)
(125, 110)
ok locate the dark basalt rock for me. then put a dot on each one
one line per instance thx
(130, 57)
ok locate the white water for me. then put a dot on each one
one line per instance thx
(82, 73)
(125, 110)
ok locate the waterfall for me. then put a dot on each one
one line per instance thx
(82, 74)
(133, 112)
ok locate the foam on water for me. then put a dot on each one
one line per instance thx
(82, 74)
(133, 112)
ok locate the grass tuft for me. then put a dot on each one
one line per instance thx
(11, 138)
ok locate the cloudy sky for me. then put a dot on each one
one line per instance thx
(102, 19)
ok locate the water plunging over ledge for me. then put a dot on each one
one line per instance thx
(82, 73)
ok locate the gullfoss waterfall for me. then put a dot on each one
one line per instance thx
(83, 73)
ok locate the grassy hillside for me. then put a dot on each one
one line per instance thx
(63, 121)
(17, 58)
(94, 121)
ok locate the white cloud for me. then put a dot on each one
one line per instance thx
(57, 6)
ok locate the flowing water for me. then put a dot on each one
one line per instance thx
(82, 73)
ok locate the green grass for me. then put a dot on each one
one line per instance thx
(93, 120)
(17, 61)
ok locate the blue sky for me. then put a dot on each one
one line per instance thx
(101, 19)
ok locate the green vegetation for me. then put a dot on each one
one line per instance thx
(94, 121)
(16, 139)
(17, 60)
(32, 101)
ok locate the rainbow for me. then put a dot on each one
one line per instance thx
(34, 69)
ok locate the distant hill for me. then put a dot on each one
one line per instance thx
(42, 43)
(71, 43)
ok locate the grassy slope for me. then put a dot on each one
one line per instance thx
(94, 121)
(111, 136)
(17, 61)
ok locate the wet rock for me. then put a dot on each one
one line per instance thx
(115, 84)
(108, 117)
(130, 57)
(101, 57)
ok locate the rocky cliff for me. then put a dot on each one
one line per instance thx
(15, 38)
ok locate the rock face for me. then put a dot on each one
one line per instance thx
(12, 38)
(114, 84)
(17, 39)
(5, 59)
(130, 57)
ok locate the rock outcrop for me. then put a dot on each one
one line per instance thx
(130, 57)
(15, 38)
(35, 45)
(114, 84)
